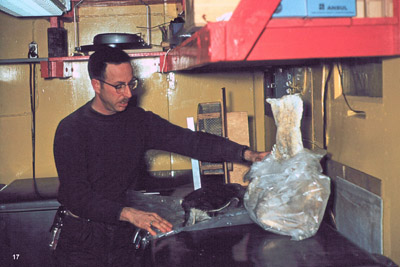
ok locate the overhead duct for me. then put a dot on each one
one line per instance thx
(35, 8)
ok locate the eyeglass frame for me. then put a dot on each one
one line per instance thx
(120, 88)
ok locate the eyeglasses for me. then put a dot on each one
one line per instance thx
(120, 88)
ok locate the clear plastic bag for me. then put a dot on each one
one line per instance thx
(288, 196)
(288, 193)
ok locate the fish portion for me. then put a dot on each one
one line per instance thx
(287, 112)
(210, 201)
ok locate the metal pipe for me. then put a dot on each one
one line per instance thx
(148, 25)
(76, 27)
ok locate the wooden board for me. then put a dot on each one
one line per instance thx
(199, 12)
(238, 131)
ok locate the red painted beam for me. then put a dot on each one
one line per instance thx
(206, 46)
(396, 28)
(56, 22)
(251, 35)
(319, 39)
(246, 25)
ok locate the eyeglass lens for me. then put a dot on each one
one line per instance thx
(131, 85)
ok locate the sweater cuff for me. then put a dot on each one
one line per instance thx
(119, 213)
(242, 153)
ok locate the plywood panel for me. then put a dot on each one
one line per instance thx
(238, 131)
(200, 12)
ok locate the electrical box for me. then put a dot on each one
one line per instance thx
(282, 81)
(57, 41)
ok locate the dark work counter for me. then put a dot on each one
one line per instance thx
(250, 245)
(25, 220)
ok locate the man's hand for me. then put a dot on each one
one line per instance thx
(145, 220)
(253, 156)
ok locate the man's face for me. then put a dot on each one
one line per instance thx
(108, 101)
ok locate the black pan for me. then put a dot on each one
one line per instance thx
(120, 40)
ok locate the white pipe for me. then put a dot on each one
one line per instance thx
(148, 26)
(75, 26)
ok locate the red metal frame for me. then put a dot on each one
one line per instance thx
(252, 35)
(54, 67)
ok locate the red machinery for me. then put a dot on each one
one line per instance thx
(252, 35)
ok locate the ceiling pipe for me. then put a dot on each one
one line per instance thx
(76, 42)
(148, 24)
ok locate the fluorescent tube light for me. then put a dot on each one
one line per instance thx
(35, 8)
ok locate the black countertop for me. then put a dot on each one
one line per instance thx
(250, 245)
(24, 190)
(20, 195)
(241, 245)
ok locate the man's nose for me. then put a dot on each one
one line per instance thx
(127, 92)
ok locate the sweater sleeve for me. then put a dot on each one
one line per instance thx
(75, 191)
(199, 145)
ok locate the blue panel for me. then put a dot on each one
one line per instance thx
(291, 8)
(316, 8)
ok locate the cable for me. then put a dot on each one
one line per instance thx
(324, 102)
(325, 98)
(312, 142)
(32, 87)
(344, 95)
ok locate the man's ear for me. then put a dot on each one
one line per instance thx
(96, 85)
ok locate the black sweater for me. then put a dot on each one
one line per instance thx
(98, 157)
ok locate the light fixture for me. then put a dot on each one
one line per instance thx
(35, 8)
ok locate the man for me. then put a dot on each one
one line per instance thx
(98, 152)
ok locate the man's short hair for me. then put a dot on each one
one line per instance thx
(101, 57)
